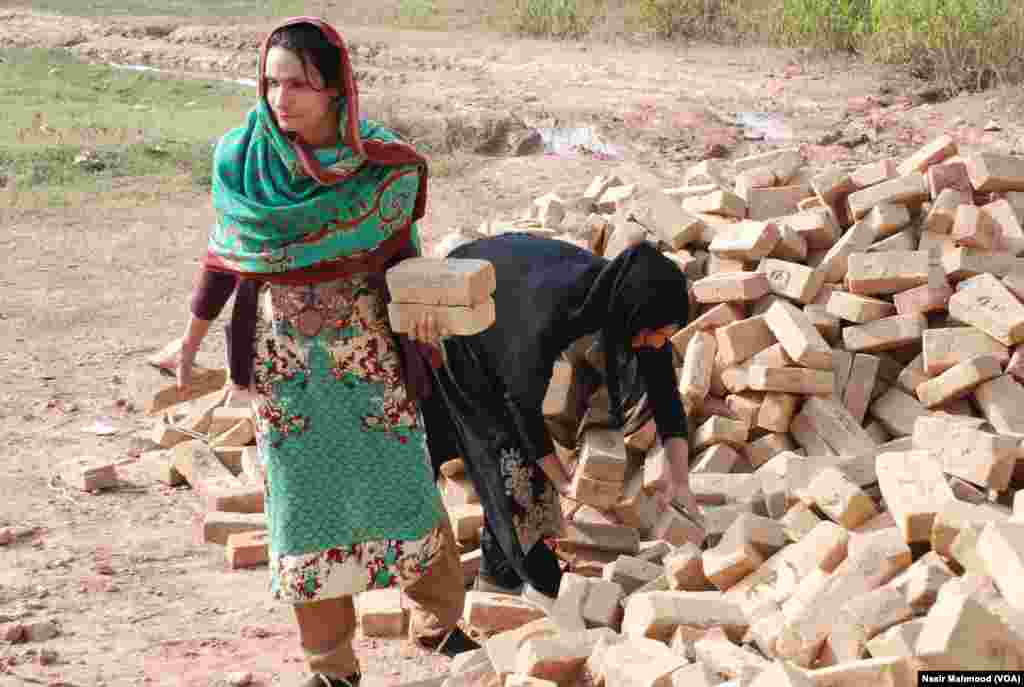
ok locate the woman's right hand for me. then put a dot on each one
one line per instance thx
(425, 330)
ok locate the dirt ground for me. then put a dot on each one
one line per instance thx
(88, 293)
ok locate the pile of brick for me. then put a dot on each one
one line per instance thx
(209, 444)
(853, 385)
(857, 415)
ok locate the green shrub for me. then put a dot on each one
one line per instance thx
(418, 14)
(555, 18)
(668, 18)
(831, 24)
(962, 43)
(759, 18)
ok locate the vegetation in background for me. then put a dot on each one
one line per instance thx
(419, 14)
(673, 18)
(174, 8)
(71, 132)
(829, 24)
(68, 128)
(959, 43)
(555, 18)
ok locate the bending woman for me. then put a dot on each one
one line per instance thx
(489, 394)
(313, 205)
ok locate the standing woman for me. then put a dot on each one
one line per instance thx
(313, 205)
(492, 386)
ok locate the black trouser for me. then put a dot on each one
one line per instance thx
(545, 573)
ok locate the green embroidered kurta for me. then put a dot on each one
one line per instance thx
(349, 482)
(351, 502)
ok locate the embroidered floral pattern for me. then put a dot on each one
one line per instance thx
(536, 512)
(358, 341)
(517, 477)
(344, 570)
(279, 361)
(278, 425)
(332, 404)
(362, 354)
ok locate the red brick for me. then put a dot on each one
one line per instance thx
(247, 549)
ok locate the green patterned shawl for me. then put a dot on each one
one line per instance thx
(274, 217)
(289, 213)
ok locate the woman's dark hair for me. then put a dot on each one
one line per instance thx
(310, 44)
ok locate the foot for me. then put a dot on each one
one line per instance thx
(484, 584)
(457, 642)
(321, 680)
(538, 598)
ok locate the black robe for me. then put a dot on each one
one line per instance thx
(487, 397)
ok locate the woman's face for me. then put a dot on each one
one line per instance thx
(297, 96)
(654, 338)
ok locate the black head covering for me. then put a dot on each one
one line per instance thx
(639, 289)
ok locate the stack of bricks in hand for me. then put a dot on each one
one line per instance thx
(456, 293)
(202, 441)
(852, 373)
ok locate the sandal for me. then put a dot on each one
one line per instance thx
(321, 680)
(483, 584)
(457, 642)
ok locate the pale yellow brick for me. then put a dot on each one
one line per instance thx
(858, 309)
(740, 340)
(888, 218)
(915, 490)
(801, 341)
(792, 280)
(959, 380)
(994, 172)
(723, 202)
(794, 380)
(897, 411)
(840, 498)
(971, 454)
(835, 262)
(1001, 401)
(905, 190)
(885, 334)
(943, 348)
(932, 153)
(985, 303)
(887, 272)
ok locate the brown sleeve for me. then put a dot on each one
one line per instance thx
(241, 333)
(211, 294)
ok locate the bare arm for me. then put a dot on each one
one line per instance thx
(211, 293)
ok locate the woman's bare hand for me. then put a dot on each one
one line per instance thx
(426, 330)
(167, 358)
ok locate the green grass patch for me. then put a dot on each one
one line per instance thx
(419, 14)
(68, 128)
(173, 8)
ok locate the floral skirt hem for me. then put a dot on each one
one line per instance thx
(348, 570)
